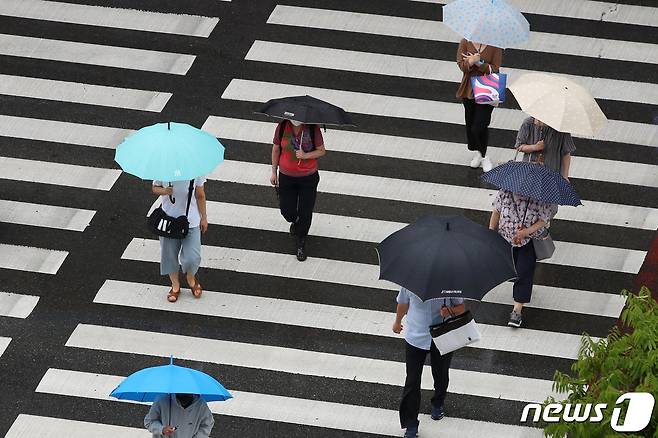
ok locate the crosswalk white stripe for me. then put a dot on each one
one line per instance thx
(421, 109)
(425, 68)
(27, 258)
(291, 410)
(304, 362)
(596, 169)
(49, 216)
(543, 297)
(62, 132)
(471, 198)
(95, 54)
(584, 10)
(76, 92)
(584, 302)
(17, 305)
(355, 274)
(343, 141)
(436, 31)
(4, 343)
(59, 174)
(133, 19)
(36, 426)
(273, 310)
(597, 257)
(374, 231)
(365, 275)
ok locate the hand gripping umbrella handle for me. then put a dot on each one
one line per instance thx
(541, 137)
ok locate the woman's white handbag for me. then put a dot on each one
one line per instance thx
(455, 332)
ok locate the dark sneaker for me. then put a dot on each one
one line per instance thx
(515, 319)
(411, 432)
(437, 413)
(301, 249)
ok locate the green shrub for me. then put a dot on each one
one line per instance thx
(626, 361)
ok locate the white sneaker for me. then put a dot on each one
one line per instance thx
(477, 159)
(486, 164)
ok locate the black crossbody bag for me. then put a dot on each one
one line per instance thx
(162, 224)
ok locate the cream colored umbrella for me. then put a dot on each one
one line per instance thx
(559, 102)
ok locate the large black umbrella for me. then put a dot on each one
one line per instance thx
(306, 109)
(446, 256)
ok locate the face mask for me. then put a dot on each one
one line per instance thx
(295, 123)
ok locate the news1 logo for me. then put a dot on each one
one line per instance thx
(638, 414)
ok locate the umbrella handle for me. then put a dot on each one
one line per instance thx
(173, 200)
(540, 139)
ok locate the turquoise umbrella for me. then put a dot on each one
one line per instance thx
(169, 152)
(491, 22)
(150, 383)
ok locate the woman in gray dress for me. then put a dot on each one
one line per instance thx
(539, 142)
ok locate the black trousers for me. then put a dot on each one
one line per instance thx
(297, 199)
(477, 118)
(525, 262)
(415, 359)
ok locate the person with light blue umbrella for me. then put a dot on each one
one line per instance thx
(179, 395)
(176, 157)
(477, 59)
(179, 416)
(487, 27)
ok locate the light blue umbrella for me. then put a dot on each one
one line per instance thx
(150, 383)
(491, 22)
(169, 152)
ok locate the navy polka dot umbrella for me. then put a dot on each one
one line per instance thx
(533, 180)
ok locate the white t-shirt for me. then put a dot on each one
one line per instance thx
(180, 200)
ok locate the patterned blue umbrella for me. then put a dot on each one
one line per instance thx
(491, 22)
(533, 180)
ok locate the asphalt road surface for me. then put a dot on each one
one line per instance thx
(306, 348)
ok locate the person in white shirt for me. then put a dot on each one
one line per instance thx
(186, 253)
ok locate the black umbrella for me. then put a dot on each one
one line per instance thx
(446, 256)
(306, 109)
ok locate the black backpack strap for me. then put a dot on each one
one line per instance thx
(312, 135)
(282, 128)
(189, 196)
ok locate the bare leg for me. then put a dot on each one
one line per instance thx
(191, 280)
(518, 307)
(195, 286)
(175, 281)
(172, 296)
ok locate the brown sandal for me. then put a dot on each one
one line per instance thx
(196, 289)
(172, 296)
